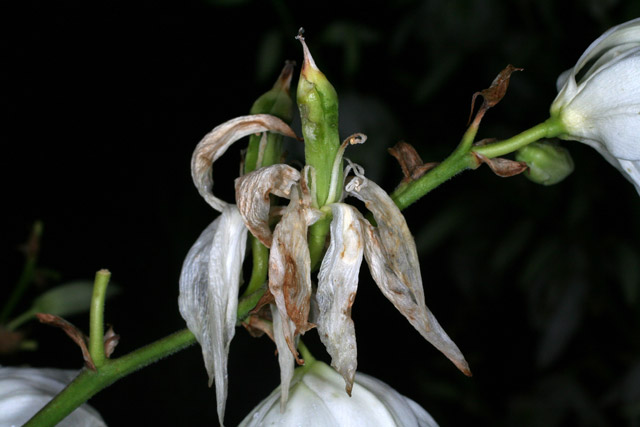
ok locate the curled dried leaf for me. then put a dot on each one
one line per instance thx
(494, 93)
(253, 196)
(73, 332)
(208, 300)
(410, 161)
(337, 287)
(111, 340)
(216, 143)
(501, 167)
(391, 254)
(257, 326)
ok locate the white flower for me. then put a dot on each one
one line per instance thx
(24, 391)
(317, 399)
(599, 99)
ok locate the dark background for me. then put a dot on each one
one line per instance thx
(539, 286)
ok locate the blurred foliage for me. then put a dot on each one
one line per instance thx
(539, 286)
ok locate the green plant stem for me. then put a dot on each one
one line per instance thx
(23, 318)
(27, 272)
(88, 383)
(96, 318)
(550, 128)
(462, 159)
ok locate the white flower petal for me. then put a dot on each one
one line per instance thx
(209, 283)
(599, 99)
(393, 261)
(216, 142)
(24, 391)
(317, 400)
(252, 196)
(337, 287)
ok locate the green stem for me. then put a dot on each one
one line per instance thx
(317, 239)
(462, 159)
(550, 128)
(18, 321)
(27, 272)
(88, 383)
(96, 322)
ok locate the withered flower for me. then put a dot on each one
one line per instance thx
(211, 274)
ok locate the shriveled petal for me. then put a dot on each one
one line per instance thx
(252, 196)
(337, 287)
(290, 268)
(215, 143)
(208, 301)
(391, 254)
(285, 357)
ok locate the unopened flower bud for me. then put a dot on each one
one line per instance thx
(318, 105)
(276, 102)
(317, 398)
(548, 162)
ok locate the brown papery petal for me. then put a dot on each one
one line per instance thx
(391, 254)
(252, 196)
(215, 143)
(285, 357)
(290, 268)
(337, 287)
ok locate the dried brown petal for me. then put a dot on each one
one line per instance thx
(257, 326)
(494, 93)
(391, 254)
(111, 340)
(501, 167)
(216, 142)
(290, 269)
(74, 333)
(410, 161)
(252, 196)
(337, 287)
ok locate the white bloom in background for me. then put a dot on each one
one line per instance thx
(599, 99)
(24, 391)
(317, 398)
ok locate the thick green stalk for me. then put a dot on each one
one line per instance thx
(318, 105)
(88, 383)
(96, 318)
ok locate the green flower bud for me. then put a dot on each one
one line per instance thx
(318, 105)
(548, 162)
(276, 102)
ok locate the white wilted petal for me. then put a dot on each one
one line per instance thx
(285, 357)
(337, 287)
(252, 196)
(208, 300)
(391, 254)
(215, 143)
(290, 268)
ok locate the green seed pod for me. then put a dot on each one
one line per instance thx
(548, 162)
(276, 102)
(318, 105)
